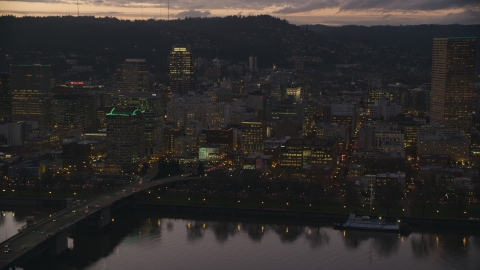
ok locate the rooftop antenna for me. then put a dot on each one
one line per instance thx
(168, 11)
(78, 10)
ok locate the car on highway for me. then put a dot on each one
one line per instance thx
(7, 250)
(47, 235)
(73, 211)
(54, 220)
(22, 248)
(7, 245)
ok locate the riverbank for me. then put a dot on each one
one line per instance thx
(297, 215)
(12, 201)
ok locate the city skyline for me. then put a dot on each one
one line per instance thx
(338, 12)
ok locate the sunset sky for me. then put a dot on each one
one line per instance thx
(329, 12)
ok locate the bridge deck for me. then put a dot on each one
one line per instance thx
(64, 219)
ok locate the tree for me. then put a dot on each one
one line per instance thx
(201, 169)
(316, 192)
(47, 177)
(352, 195)
(388, 195)
(145, 168)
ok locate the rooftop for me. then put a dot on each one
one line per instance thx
(123, 112)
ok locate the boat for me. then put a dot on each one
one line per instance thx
(368, 223)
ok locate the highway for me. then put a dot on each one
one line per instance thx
(62, 220)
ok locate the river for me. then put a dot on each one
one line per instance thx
(150, 240)
(14, 217)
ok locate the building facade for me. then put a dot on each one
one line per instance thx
(30, 90)
(125, 140)
(453, 73)
(133, 76)
(151, 107)
(181, 69)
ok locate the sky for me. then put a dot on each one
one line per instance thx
(328, 12)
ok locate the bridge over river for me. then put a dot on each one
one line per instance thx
(51, 234)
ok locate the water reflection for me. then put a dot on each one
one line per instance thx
(255, 231)
(224, 229)
(384, 243)
(287, 233)
(423, 244)
(195, 230)
(317, 237)
(139, 238)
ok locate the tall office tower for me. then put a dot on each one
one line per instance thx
(181, 69)
(453, 72)
(5, 98)
(150, 105)
(125, 140)
(133, 76)
(70, 110)
(31, 97)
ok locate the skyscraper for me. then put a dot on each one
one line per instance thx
(453, 72)
(133, 76)
(125, 139)
(30, 90)
(181, 69)
(150, 105)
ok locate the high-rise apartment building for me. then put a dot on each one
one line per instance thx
(125, 140)
(181, 69)
(133, 76)
(30, 92)
(150, 105)
(453, 72)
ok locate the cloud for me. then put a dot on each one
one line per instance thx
(192, 13)
(468, 16)
(378, 5)
(350, 11)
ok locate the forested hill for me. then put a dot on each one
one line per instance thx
(409, 37)
(233, 37)
(272, 40)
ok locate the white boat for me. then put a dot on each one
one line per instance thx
(367, 223)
